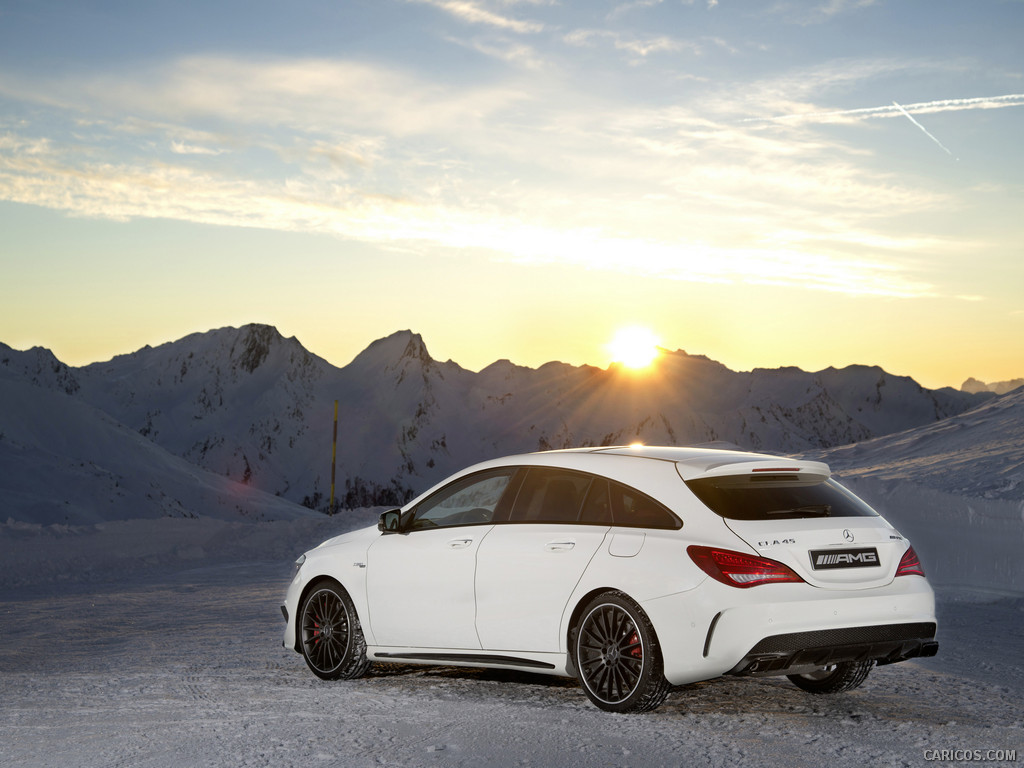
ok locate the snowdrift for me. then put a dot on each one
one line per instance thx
(64, 461)
(962, 541)
(34, 555)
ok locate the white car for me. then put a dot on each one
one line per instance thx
(630, 568)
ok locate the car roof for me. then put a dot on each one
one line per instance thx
(704, 460)
(622, 462)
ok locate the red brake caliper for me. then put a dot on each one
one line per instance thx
(638, 651)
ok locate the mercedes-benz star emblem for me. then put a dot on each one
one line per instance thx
(848, 535)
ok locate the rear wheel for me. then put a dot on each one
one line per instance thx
(617, 657)
(330, 635)
(835, 678)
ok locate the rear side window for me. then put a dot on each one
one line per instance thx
(550, 496)
(777, 497)
(598, 508)
(564, 496)
(635, 509)
(610, 503)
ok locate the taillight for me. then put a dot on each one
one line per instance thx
(738, 569)
(909, 564)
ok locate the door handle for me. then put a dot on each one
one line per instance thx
(459, 543)
(559, 546)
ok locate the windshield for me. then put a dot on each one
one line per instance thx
(777, 497)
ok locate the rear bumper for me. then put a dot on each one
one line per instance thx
(799, 652)
(776, 629)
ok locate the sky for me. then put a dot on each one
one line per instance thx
(770, 183)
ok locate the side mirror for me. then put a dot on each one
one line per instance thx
(390, 521)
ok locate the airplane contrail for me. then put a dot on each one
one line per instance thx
(926, 132)
(941, 105)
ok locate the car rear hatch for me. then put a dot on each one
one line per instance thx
(793, 512)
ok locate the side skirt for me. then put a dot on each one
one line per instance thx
(466, 658)
(547, 663)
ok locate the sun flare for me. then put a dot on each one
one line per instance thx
(634, 347)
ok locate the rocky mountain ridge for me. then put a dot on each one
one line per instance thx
(250, 405)
(997, 387)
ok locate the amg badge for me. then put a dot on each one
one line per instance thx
(822, 559)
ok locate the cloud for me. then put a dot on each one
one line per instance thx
(739, 169)
(799, 91)
(625, 8)
(836, 7)
(700, 263)
(28, 147)
(511, 52)
(125, 191)
(474, 13)
(307, 95)
(555, 176)
(639, 46)
(181, 148)
(820, 13)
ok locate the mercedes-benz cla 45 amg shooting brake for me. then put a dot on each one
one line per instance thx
(632, 569)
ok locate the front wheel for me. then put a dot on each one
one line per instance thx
(835, 678)
(617, 657)
(330, 634)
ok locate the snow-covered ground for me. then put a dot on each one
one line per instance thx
(157, 643)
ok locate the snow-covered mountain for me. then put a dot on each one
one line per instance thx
(255, 407)
(999, 387)
(65, 461)
(978, 453)
(239, 403)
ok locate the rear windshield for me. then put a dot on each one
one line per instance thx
(777, 497)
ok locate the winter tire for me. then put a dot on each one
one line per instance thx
(835, 678)
(330, 635)
(617, 657)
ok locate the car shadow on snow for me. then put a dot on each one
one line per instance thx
(509, 677)
(890, 696)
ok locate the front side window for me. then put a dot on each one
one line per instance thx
(469, 501)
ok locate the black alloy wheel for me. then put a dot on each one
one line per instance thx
(330, 635)
(616, 654)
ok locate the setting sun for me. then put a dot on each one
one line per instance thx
(634, 347)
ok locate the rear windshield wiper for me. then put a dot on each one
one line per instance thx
(824, 510)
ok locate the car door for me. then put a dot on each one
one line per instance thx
(528, 567)
(420, 580)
